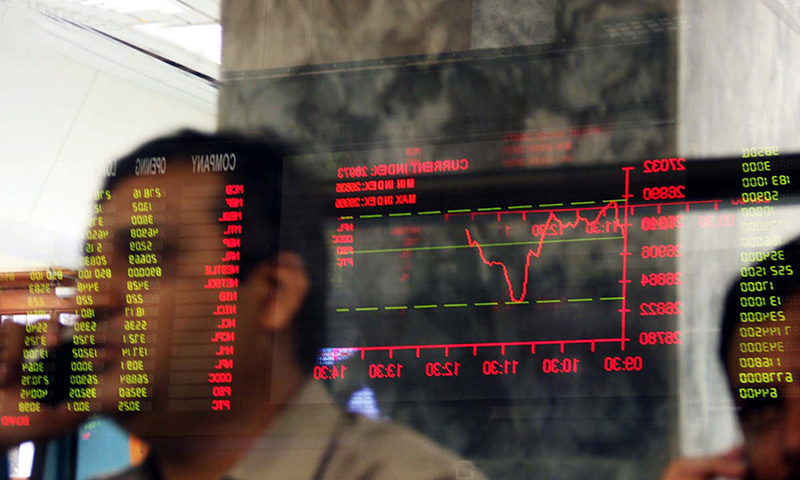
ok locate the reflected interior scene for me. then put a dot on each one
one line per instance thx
(382, 239)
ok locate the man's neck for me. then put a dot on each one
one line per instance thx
(210, 457)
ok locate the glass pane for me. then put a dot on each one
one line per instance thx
(556, 238)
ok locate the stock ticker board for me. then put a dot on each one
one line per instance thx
(528, 284)
(452, 281)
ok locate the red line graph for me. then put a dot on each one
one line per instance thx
(552, 222)
(600, 217)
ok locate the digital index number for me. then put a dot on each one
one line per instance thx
(497, 367)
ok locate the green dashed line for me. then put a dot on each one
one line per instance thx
(464, 305)
(453, 247)
(480, 304)
(488, 209)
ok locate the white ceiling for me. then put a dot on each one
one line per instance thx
(172, 46)
(79, 86)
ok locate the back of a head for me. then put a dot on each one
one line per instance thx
(281, 210)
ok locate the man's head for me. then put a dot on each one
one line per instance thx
(165, 208)
(760, 350)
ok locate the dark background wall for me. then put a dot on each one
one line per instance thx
(332, 74)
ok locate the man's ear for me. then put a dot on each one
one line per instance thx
(282, 285)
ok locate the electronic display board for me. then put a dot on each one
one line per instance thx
(496, 287)
(518, 257)
(455, 281)
(118, 338)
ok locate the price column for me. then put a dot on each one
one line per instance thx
(144, 265)
(763, 325)
(38, 361)
(86, 362)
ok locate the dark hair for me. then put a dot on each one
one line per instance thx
(782, 286)
(272, 187)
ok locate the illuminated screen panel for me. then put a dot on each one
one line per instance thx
(455, 287)
(157, 300)
(471, 284)
(433, 267)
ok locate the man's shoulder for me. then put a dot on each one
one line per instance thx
(385, 450)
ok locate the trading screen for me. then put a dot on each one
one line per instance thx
(451, 282)
(128, 241)
(545, 300)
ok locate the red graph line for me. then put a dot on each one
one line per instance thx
(552, 221)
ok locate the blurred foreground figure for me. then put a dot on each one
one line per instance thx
(191, 249)
(760, 350)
